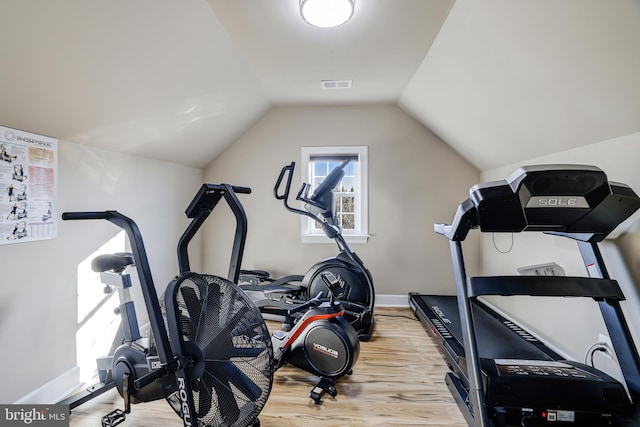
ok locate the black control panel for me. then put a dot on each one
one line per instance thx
(551, 391)
(535, 368)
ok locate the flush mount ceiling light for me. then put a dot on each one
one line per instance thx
(326, 13)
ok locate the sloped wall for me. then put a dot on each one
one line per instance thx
(415, 179)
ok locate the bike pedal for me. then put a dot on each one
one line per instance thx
(113, 418)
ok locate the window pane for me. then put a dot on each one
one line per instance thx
(345, 204)
(319, 169)
(347, 221)
(350, 169)
(348, 185)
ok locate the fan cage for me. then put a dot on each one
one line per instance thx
(238, 361)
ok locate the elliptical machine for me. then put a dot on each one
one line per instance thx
(343, 277)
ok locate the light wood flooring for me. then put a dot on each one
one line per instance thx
(398, 380)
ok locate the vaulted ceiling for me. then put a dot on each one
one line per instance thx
(498, 80)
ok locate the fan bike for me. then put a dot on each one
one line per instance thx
(321, 342)
(210, 354)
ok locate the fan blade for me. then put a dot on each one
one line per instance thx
(227, 404)
(209, 293)
(192, 304)
(246, 352)
(228, 371)
(205, 397)
(218, 341)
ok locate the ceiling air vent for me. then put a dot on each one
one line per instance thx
(336, 84)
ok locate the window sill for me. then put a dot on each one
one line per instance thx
(356, 239)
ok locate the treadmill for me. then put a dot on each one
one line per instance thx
(501, 375)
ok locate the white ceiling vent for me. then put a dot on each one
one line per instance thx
(336, 84)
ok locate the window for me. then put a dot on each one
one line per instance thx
(350, 195)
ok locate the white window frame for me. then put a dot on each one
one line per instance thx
(361, 234)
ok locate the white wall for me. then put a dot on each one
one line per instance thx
(571, 325)
(38, 314)
(415, 179)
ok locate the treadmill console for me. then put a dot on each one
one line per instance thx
(574, 199)
(518, 368)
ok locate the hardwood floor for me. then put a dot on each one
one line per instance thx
(398, 380)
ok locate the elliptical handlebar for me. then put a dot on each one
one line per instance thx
(288, 171)
(303, 195)
(321, 199)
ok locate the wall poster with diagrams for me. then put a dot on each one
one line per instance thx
(28, 190)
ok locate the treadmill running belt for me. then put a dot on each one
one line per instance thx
(496, 340)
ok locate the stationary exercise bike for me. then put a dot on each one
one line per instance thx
(320, 340)
(343, 277)
(322, 343)
(210, 353)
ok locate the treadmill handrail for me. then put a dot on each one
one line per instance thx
(550, 286)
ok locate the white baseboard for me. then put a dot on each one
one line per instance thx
(55, 390)
(392, 300)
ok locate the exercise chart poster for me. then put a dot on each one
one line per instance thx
(28, 190)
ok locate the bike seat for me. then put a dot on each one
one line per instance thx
(116, 262)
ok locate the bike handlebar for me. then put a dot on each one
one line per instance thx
(85, 215)
(313, 302)
(241, 190)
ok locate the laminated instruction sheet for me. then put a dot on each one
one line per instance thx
(28, 190)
